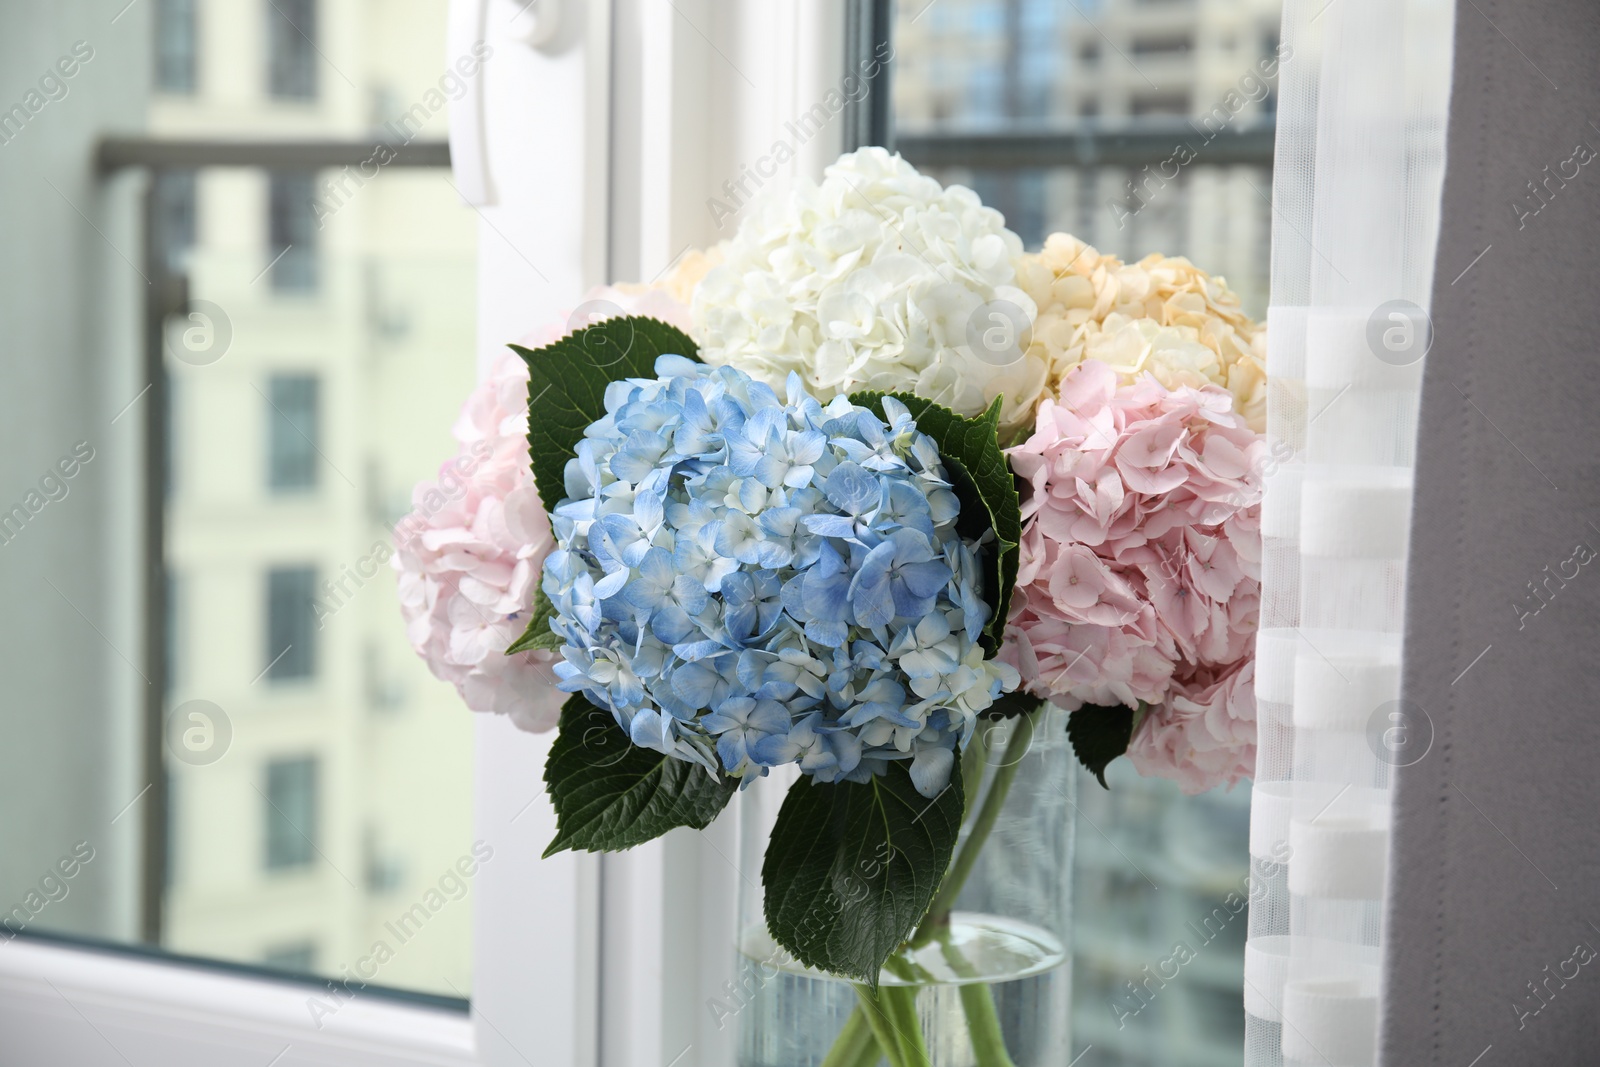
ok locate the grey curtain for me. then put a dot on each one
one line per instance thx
(1493, 925)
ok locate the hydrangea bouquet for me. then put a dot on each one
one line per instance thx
(839, 495)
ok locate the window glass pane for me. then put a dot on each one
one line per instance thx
(292, 231)
(292, 435)
(291, 814)
(1008, 97)
(175, 46)
(298, 958)
(227, 590)
(175, 205)
(292, 49)
(291, 623)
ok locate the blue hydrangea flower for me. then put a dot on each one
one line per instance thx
(746, 581)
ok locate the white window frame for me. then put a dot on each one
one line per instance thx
(607, 125)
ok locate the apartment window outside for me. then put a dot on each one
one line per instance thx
(175, 203)
(1161, 47)
(292, 49)
(1172, 105)
(1077, 129)
(299, 957)
(290, 808)
(177, 46)
(292, 231)
(292, 432)
(291, 623)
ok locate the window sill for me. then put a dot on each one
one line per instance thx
(66, 1005)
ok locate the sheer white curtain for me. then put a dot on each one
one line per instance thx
(1356, 188)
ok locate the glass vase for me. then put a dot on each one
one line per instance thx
(986, 978)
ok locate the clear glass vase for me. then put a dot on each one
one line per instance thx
(989, 987)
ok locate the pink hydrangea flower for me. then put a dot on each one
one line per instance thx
(470, 552)
(1206, 732)
(1140, 573)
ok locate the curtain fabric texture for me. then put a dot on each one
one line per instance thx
(1490, 951)
(1363, 96)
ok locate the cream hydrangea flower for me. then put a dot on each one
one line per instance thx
(680, 279)
(1162, 315)
(878, 278)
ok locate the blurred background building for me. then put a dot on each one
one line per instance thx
(1014, 89)
(348, 301)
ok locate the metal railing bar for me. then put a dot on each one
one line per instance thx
(162, 153)
(1088, 147)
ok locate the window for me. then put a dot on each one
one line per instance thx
(292, 49)
(174, 192)
(290, 810)
(292, 432)
(986, 93)
(405, 242)
(1161, 47)
(176, 46)
(292, 231)
(252, 420)
(297, 958)
(291, 623)
(385, 872)
(1173, 104)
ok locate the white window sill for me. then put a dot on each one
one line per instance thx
(71, 1006)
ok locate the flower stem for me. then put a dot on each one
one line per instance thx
(876, 1011)
(977, 1004)
(855, 1043)
(972, 766)
(904, 1001)
(938, 917)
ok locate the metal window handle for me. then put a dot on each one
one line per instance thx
(469, 152)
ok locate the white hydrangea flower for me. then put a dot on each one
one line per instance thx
(878, 278)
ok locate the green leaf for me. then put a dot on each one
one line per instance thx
(538, 635)
(1099, 734)
(981, 477)
(567, 386)
(851, 867)
(611, 794)
(1010, 705)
